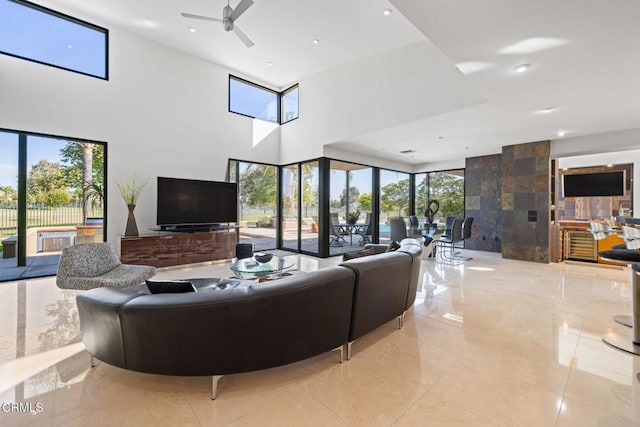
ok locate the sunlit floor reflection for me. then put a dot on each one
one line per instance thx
(487, 342)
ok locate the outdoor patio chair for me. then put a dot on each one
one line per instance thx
(336, 232)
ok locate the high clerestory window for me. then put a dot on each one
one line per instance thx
(289, 106)
(252, 100)
(42, 35)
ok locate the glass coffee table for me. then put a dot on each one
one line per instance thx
(243, 268)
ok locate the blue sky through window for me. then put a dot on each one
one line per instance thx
(39, 147)
(250, 100)
(34, 34)
(290, 105)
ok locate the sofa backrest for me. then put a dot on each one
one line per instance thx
(300, 316)
(197, 333)
(382, 283)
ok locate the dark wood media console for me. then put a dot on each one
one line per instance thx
(167, 249)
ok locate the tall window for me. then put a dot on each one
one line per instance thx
(421, 193)
(289, 207)
(38, 34)
(310, 200)
(448, 188)
(257, 202)
(258, 102)
(51, 196)
(394, 199)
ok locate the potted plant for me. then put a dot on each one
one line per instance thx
(352, 217)
(130, 191)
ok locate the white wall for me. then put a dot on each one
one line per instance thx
(383, 90)
(162, 113)
(440, 166)
(596, 143)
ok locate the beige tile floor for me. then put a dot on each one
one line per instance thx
(492, 342)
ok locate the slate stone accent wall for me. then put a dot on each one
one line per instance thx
(483, 202)
(525, 201)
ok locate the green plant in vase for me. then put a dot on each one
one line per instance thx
(130, 192)
(352, 217)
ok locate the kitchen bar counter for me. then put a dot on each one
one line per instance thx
(576, 242)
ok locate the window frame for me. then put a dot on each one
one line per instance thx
(73, 20)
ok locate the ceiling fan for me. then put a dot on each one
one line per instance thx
(229, 17)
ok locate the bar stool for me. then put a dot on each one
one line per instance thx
(601, 231)
(631, 257)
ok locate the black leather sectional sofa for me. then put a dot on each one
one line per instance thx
(252, 326)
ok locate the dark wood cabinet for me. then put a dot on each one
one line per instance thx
(168, 249)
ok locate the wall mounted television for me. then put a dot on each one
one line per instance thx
(593, 184)
(191, 203)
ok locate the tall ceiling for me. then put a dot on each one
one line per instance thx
(583, 55)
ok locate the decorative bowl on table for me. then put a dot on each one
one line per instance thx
(262, 257)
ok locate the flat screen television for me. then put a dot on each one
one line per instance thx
(191, 202)
(593, 184)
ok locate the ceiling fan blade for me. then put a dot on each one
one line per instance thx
(240, 9)
(242, 36)
(202, 18)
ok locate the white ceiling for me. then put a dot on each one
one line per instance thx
(282, 30)
(583, 55)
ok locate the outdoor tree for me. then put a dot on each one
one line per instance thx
(83, 169)
(395, 197)
(309, 192)
(57, 197)
(8, 194)
(44, 178)
(421, 195)
(448, 189)
(364, 200)
(354, 192)
(259, 186)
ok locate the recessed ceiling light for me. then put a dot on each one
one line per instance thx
(546, 110)
(387, 12)
(441, 137)
(270, 63)
(466, 148)
(193, 30)
(69, 46)
(610, 165)
(522, 68)
(565, 169)
(316, 41)
(562, 133)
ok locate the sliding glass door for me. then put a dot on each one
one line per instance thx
(257, 202)
(51, 196)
